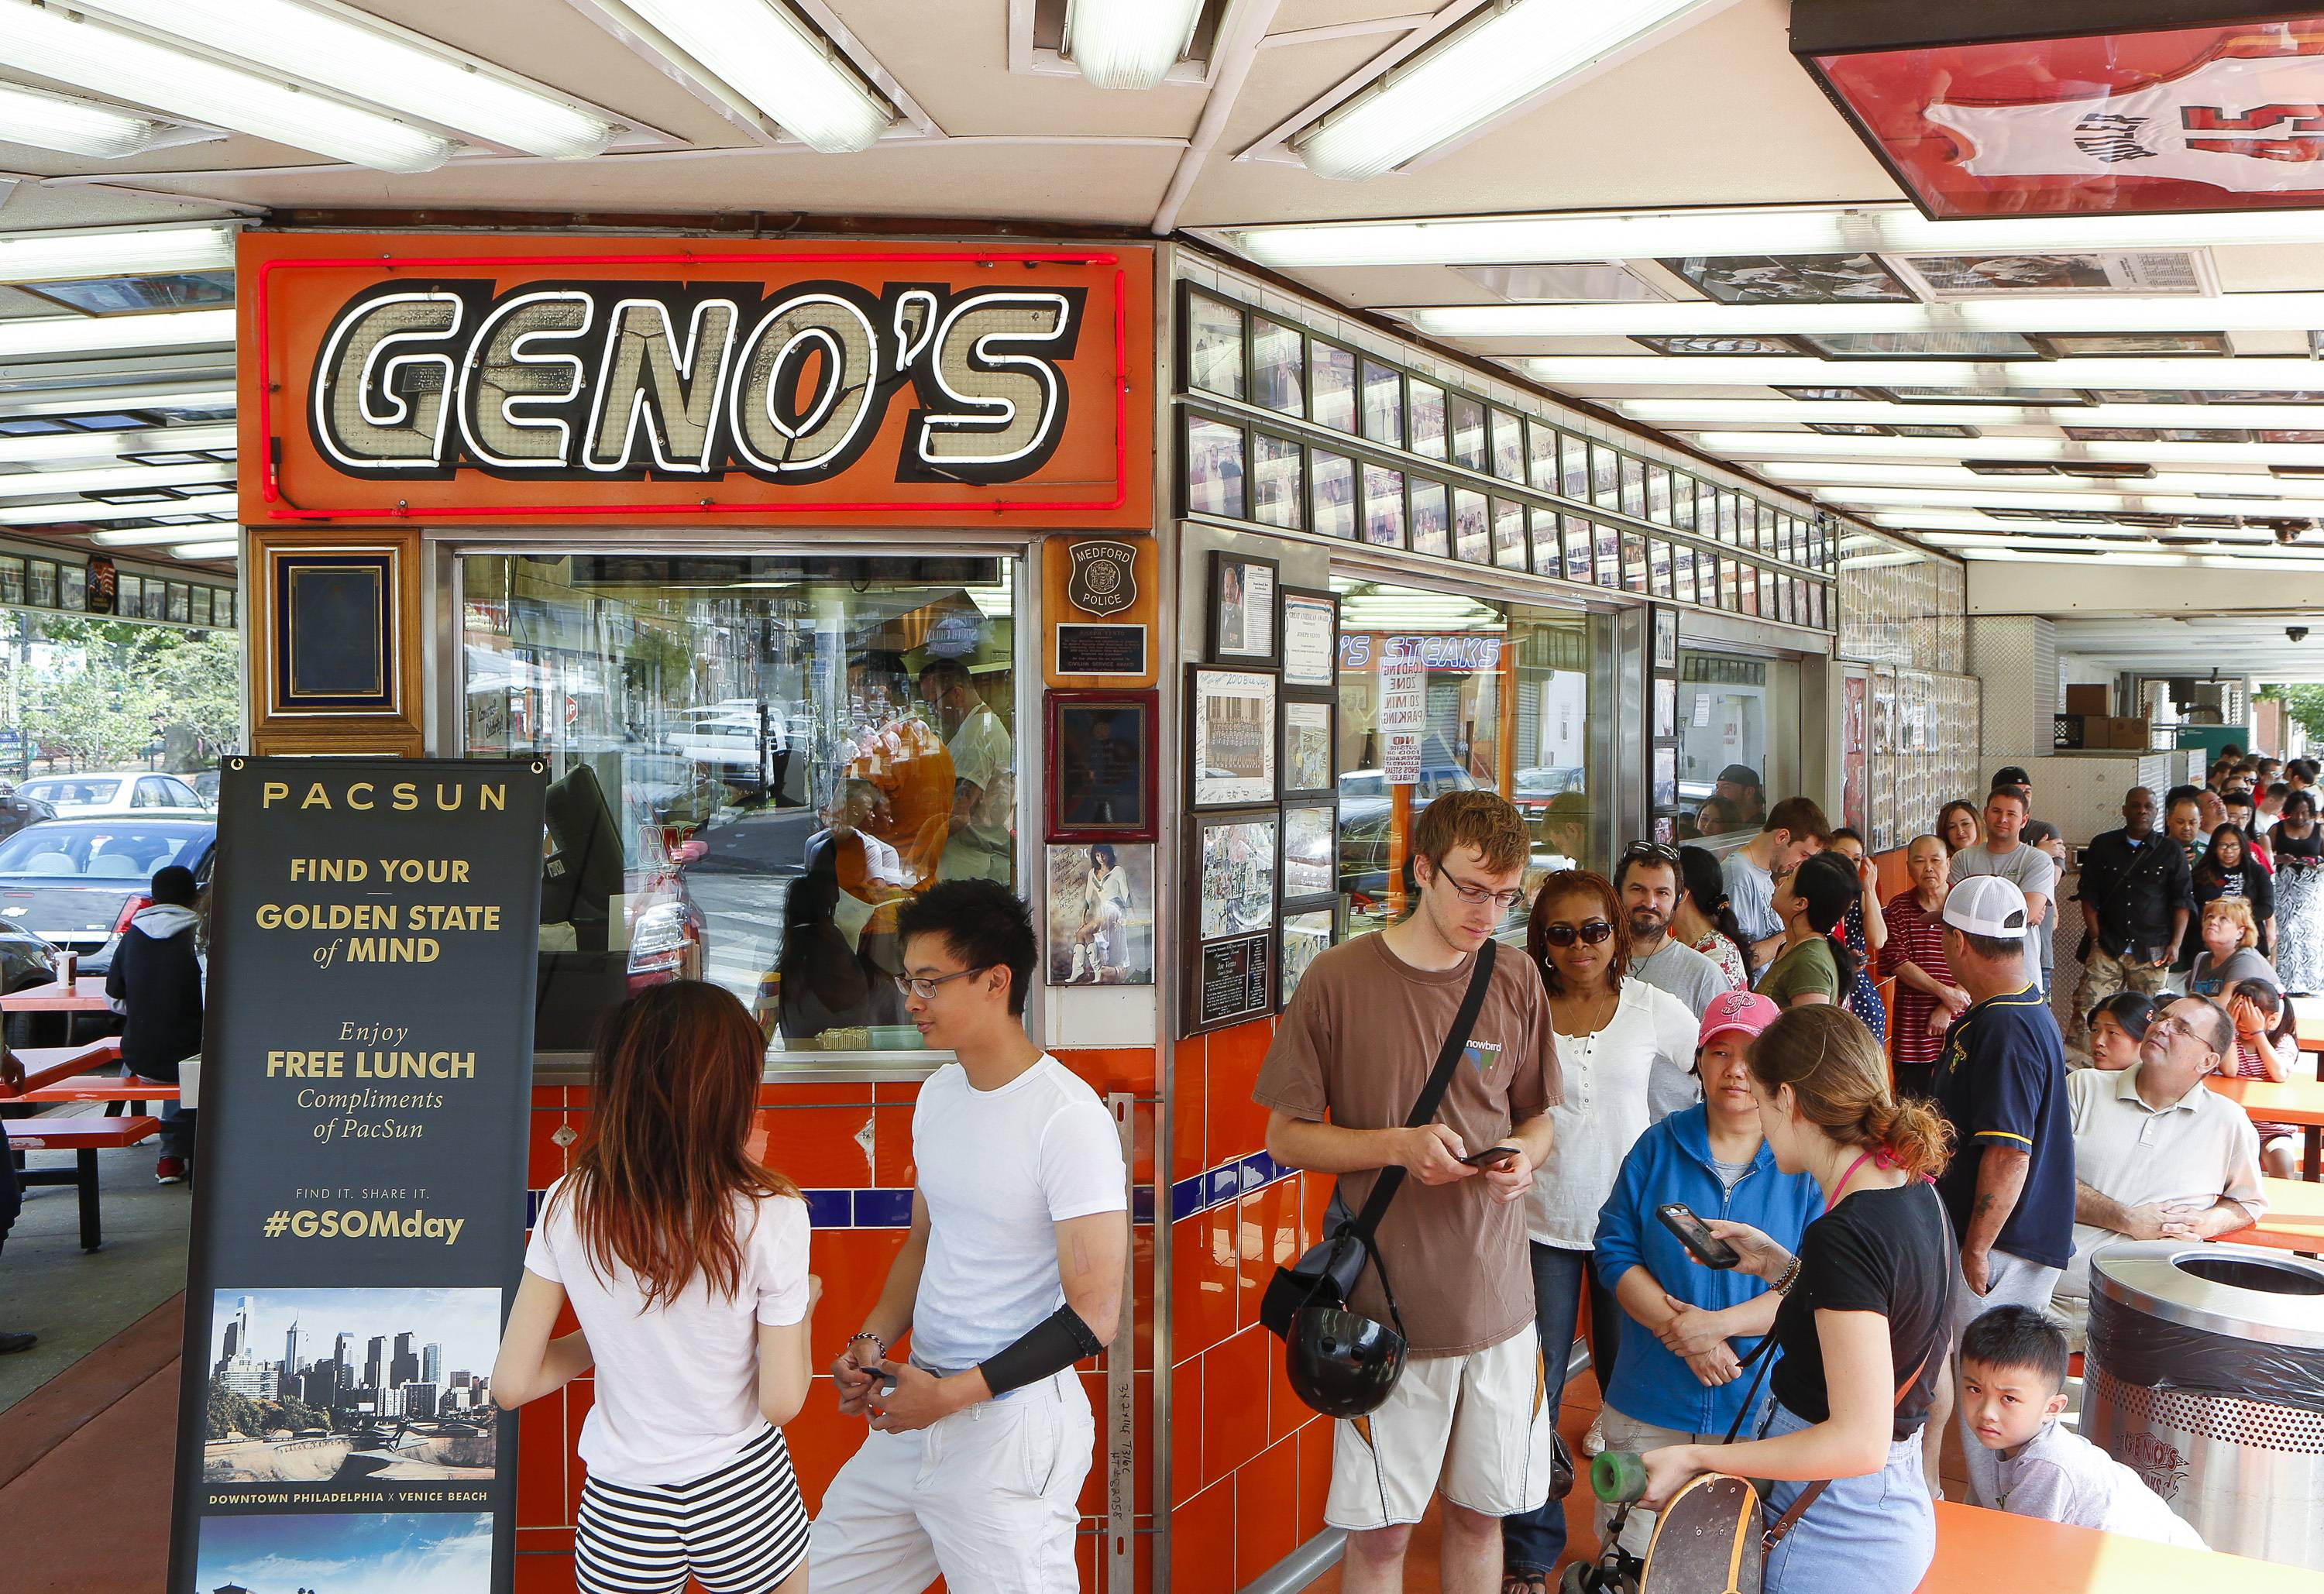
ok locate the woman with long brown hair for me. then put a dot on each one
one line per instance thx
(1862, 1328)
(686, 1263)
(1624, 1048)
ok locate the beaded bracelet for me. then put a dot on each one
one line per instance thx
(1783, 1286)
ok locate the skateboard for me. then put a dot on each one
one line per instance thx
(1706, 1540)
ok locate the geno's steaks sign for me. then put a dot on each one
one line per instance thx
(550, 379)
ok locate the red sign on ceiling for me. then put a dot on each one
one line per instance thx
(2184, 119)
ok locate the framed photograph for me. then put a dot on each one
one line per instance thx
(2075, 346)
(1922, 346)
(181, 598)
(1792, 278)
(1509, 534)
(1311, 834)
(1945, 278)
(1215, 346)
(1465, 419)
(1229, 736)
(1426, 431)
(128, 591)
(12, 580)
(41, 586)
(223, 607)
(1331, 489)
(1383, 503)
(1666, 792)
(1234, 873)
(1332, 374)
(1277, 488)
(1305, 936)
(1665, 706)
(1508, 445)
(1309, 737)
(2292, 436)
(1228, 983)
(1830, 395)
(1214, 469)
(1935, 431)
(1665, 639)
(1383, 404)
(1102, 770)
(72, 593)
(1311, 638)
(1432, 518)
(1472, 527)
(1278, 366)
(1712, 344)
(1100, 907)
(1242, 608)
(202, 596)
(1848, 428)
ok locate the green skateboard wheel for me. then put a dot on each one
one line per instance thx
(1617, 1476)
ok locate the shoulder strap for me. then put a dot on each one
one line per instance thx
(1432, 1094)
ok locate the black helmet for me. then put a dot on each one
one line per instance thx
(1340, 1364)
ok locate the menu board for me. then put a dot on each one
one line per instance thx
(359, 1207)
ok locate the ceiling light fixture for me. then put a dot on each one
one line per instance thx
(113, 399)
(2144, 501)
(224, 548)
(367, 60)
(1509, 54)
(74, 127)
(1755, 445)
(46, 485)
(1842, 473)
(2233, 312)
(58, 447)
(116, 251)
(44, 336)
(1130, 44)
(1954, 520)
(70, 48)
(138, 536)
(2280, 374)
(1817, 229)
(767, 57)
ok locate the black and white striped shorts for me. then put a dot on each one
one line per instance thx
(741, 1530)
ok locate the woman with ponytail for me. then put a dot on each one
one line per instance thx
(1705, 919)
(1815, 965)
(1865, 1313)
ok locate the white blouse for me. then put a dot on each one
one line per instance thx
(1617, 1082)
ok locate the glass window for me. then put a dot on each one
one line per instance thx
(1383, 404)
(1334, 479)
(1277, 465)
(1383, 506)
(1732, 710)
(1468, 424)
(1440, 692)
(1472, 527)
(1214, 345)
(1428, 418)
(1335, 387)
(1432, 518)
(757, 762)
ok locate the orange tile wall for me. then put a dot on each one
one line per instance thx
(811, 1133)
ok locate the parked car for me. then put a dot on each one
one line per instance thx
(16, 811)
(134, 792)
(77, 882)
(28, 960)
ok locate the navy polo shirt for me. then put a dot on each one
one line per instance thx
(2001, 1082)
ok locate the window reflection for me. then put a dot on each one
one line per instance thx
(755, 764)
(1441, 692)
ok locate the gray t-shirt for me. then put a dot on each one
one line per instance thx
(2217, 979)
(2061, 1477)
(2029, 869)
(1751, 893)
(1685, 973)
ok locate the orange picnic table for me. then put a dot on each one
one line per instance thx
(87, 996)
(2309, 1022)
(2294, 1219)
(2295, 1101)
(1976, 1548)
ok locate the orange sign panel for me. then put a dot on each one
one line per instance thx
(536, 379)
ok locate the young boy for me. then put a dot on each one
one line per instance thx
(155, 983)
(2013, 1375)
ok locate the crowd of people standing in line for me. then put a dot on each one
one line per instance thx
(1913, 1198)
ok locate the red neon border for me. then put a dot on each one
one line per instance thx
(270, 469)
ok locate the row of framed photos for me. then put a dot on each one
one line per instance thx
(1234, 352)
(1361, 501)
(27, 582)
(1262, 902)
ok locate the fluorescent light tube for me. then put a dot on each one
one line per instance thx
(224, 548)
(118, 252)
(108, 478)
(1476, 72)
(113, 399)
(1822, 229)
(42, 337)
(1129, 43)
(353, 55)
(2282, 373)
(2145, 502)
(51, 448)
(1673, 414)
(139, 537)
(2234, 312)
(1842, 473)
(771, 57)
(1774, 445)
(75, 127)
(62, 45)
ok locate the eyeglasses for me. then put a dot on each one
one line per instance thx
(1478, 896)
(927, 989)
(1589, 933)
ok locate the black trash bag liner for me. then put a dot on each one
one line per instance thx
(2155, 1354)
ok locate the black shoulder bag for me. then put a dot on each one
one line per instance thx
(1327, 1274)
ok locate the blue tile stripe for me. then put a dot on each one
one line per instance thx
(878, 1208)
(1225, 1184)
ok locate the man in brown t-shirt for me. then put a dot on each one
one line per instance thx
(1355, 1048)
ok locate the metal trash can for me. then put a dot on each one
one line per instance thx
(2205, 1375)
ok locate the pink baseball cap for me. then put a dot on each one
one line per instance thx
(1738, 1009)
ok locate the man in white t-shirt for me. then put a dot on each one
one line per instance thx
(984, 780)
(1011, 1273)
(2028, 867)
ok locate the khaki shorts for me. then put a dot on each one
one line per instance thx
(1479, 1428)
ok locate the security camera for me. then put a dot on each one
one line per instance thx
(2295, 633)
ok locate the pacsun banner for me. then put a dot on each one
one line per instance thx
(359, 1200)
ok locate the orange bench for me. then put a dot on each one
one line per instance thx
(131, 1088)
(1975, 1548)
(45, 1065)
(84, 1138)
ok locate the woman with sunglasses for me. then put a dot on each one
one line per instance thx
(1624, 1050)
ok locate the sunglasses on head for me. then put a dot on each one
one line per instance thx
(1590, 934)
(1657, 850)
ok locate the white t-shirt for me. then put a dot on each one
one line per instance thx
(677, 1383)
(1000, 1170)
(2030, 869)
(1618, 1082)
(1751, 893)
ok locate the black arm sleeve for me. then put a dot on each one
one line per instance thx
(1050, 1346)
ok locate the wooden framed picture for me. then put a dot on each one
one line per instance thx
(1102, 770)
(1311, 638)
(1229, 736)
(1243, 623)
(1310, 735)
(1311, 841)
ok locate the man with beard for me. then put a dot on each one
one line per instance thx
(1647, 878)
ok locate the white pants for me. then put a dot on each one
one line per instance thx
(988, 1497)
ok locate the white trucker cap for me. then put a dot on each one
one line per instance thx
(1987, 905)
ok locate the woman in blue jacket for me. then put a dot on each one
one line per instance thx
(1685, 1330)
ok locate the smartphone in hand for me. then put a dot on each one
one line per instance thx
(1705, 1247)
(1494, 1158)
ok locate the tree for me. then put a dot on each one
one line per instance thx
(230, 1413)
(2303, 701)
(136, 683)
